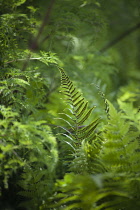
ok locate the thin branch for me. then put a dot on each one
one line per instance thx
(23, 59)
(119, 38)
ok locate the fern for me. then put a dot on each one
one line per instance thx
(80, 136)
(37, 187)
(121, 144)
(108, 163)
(93, 192)
(80, 112)
(96, 160)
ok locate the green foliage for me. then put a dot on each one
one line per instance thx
(69, 155)
(112, 164)
(23, 143)
(101, 191)
(122, 143)
(37, 186)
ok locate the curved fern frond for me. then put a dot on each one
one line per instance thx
(79, 110)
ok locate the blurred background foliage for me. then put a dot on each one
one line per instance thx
(98, 44)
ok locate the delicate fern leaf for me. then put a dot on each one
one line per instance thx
(66, 130)
(67, 93)
(68, 84)
(68, 99)
(79, 107)
(85, 116)
(92, 124)
(70, 144)
(73, 91)
(66, 122)
(63, 75)
(75, 100)
(83, 109)
(86, 138)
(67, 116)
(71, 87)
(75, 94)
(68, 96)
(72, 139)
(90, 131)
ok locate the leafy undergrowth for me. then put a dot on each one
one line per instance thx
(59, 151)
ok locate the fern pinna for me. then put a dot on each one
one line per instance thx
(80, 112)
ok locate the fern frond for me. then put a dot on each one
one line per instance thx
(79, 110)
(36, 185)
(121, 146)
